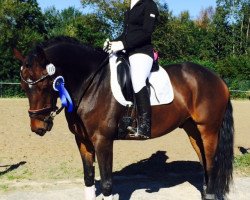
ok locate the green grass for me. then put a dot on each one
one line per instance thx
(21, 174)
(242, 164)
(64, 171)
(4, 188)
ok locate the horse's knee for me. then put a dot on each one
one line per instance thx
(106, 187)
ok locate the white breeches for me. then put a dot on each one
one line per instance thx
(140, 67)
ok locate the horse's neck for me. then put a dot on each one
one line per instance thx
(76, 66)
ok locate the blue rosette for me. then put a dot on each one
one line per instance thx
(65, 98)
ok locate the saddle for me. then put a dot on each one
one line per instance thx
(124, 80)
(124, 77)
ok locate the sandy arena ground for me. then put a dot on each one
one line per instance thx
(49, 167)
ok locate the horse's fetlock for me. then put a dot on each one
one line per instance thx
(107, 188)
(89, 180)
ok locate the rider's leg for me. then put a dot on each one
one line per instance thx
(140, 67)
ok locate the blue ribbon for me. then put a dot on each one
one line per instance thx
(63, 93)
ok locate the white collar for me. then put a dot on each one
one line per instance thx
(132, 3)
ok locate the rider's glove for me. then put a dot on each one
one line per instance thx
(116, 46)
(106, 45)
(113, 47)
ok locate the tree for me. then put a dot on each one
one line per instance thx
(110, 11)
(236, 14)
(21, 24)
(88, 28)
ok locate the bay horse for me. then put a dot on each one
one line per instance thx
(201, 106)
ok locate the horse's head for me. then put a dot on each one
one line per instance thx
(37, 82)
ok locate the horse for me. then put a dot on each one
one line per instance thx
(201, 107)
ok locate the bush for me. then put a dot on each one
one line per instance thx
(11, 90)
(236, 70)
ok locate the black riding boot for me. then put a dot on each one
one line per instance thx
(143, 131)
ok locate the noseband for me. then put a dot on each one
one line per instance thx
(52, 110)
(43, 111)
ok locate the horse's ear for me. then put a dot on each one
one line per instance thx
(18, 55)
(40, 53)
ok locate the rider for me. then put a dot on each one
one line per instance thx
(136, 41)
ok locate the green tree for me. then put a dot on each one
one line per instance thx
(21, 25)
(234, 17)
(88, 28)
(222, 39)
(110, 11)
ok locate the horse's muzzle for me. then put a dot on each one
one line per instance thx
(40, 131)
(48, 123)
(41, 127)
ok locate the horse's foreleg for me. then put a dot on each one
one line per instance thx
(104, 153)
(87, 152)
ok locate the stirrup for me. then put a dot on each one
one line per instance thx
(136, 135)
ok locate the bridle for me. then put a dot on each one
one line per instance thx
(52, 110)
(55, 110)
(33, 82)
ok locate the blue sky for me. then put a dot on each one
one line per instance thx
(193, 6)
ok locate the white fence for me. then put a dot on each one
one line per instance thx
(15, 84)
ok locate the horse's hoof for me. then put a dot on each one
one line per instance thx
(107, 198)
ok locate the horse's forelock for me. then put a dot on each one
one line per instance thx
(30, 58)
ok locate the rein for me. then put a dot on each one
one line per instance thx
(92, 79)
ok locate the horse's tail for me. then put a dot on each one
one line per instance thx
(222, 172)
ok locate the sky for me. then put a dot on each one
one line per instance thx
(193, 6)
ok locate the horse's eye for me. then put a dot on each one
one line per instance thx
(27, 65)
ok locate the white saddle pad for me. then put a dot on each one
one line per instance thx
(161, 90)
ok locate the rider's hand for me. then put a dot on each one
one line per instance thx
(112, 47)
(106, 45)
(116, 46)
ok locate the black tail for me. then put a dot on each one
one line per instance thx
(223, 161)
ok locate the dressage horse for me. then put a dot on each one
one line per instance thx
(201, 106)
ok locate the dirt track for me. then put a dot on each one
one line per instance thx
(51, 166)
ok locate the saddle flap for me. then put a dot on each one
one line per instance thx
(124, 78)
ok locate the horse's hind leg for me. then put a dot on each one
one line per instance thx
(204, 141)
(195, 139)
(87, 152)
(210, 142)
(218, 138)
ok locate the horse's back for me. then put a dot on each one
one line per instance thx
(197, 77)
(201, 91)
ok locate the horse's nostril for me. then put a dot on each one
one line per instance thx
(49, 125)
(40, 131)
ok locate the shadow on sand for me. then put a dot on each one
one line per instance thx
(153, 174)
(10, 168)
